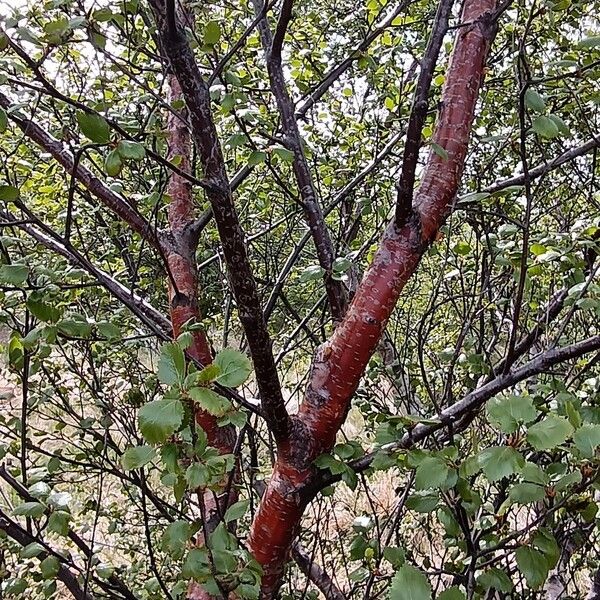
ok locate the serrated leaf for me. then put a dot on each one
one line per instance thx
(136, 457)
(587, 439)
(176, 537)
(14, 274)
(312, 273)
(197, 476)
(108, 330)
(58, 522)
(533, 565)
(432, 472)
(197, 564)
(9, 193)
(526, 493)
(410, 583)
(284, 154)
(509, 412)
(94, 127)
(257, 157)
(29, 509)
(549, 433)
(545, 542)
(235, 367)
(496, 579)
(113, 163)
(545, 127)
(212, 33)
(160, 418)
(236, 511)
(32, 550)
(500, 461)
(49, 567)
(171, 364)
(395, 556)
(452, 593)
(210, 401)
(131, 150)
(534, 100)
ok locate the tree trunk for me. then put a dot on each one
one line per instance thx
(341, 361)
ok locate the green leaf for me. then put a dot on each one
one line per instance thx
(9, 193)
(236, 511)
(545, 542)
(32, 550)
(312, 273)
(171, 364)
(196, 565)
(589, 42)
(257, 157)
(508, 412)
(49, 567)
(422, 503)
(131, 150)
(395, 556)
(533, 565)
(563, 128)
(534, 100)
(496, 579)
(212, 33)
(3, 120)
(197, 476)
(545, 127)
(175, 538)
(113, 163)
(108, 330)
(587, 439)
(549, 433)
(14, 274)
(30, 509)
(410, 583)
(432, 472)
(235, 367)
(284, 154)
(441, 152)
(58, 522)
(452, 593)
(210, 401)
(74, 328)
(526, 493)
(534, 474)
(500, 461)
(137, 456)
(160, 418)
(94, 127)
(207, 375)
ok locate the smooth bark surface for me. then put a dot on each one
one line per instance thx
(340, 362)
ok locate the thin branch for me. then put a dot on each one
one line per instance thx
(471, 403)
(418, 112)
(310, 203)
(115, 202)
(285, 16)
(241, 278)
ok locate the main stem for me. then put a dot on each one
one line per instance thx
(341, 361)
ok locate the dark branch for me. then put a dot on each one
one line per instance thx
(241, 278)
(418, 112)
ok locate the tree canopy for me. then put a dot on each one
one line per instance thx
(299, 299)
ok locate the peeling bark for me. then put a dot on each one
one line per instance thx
(340, 362)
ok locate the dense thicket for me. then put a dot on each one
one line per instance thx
(299, 298)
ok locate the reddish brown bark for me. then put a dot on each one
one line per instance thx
(340, 362)
(183, 294)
